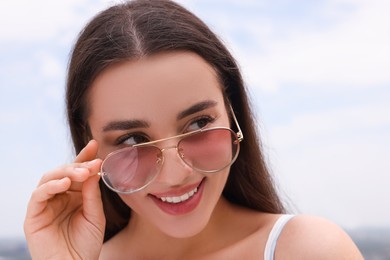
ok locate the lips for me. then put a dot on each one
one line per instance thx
(180, 201)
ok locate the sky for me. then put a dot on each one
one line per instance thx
(318, 73)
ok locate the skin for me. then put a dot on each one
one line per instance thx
(65, 213)
(155, 90)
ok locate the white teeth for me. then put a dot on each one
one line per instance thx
(181, 198)
(185, 197)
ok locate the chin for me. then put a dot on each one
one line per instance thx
(184, 230)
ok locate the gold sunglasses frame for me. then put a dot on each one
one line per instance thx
(239, 135)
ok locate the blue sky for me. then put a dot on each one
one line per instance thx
(317, 71)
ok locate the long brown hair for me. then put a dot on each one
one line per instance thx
(145, 27)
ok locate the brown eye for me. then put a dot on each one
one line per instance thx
(200, 123)
(132, 139)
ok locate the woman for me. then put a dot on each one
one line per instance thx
(153, 93)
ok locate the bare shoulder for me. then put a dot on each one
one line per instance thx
(309, 237)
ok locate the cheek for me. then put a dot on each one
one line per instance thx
(136, 202)
(218, 181)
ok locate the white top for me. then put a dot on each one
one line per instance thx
(273, 236)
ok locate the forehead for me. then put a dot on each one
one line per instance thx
(163, 83)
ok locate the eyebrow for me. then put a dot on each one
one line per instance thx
(125, 125)
(131, 124)
(196, 108)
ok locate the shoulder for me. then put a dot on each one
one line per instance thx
(309, 237)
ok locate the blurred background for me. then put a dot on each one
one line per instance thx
(319, 77)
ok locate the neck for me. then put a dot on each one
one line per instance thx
(143, 234)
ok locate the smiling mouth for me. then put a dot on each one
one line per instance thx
(178, 199)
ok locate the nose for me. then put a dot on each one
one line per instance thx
(173, 171)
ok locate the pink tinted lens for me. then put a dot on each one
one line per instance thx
(210, 150)
(131, 168)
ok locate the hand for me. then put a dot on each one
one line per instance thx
(65, 218)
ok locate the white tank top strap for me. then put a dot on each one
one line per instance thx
(273, 236)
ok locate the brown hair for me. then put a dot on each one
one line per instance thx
(145, 27)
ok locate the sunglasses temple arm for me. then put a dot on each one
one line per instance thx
(240, 135)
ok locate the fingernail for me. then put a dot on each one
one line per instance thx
(63, 180)
(91, 163)
(80, 169)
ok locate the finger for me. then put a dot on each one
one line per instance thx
(88, 153)
(77, 172)
(92, 203)
(45, 192)
(93, 168)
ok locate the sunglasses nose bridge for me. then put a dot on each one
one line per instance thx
(173, 143)
(176, 147)
(173, 170)
(168, 147)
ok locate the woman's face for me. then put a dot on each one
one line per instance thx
(153, 98)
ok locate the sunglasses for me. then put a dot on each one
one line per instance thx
(207, 150)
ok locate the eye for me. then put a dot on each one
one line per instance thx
(200, 123)
(132, 139)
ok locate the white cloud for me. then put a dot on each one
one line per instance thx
(344, 181)
(334, 163)
(330, 123)
(36, 21)
(50, 66)
(351, 52)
